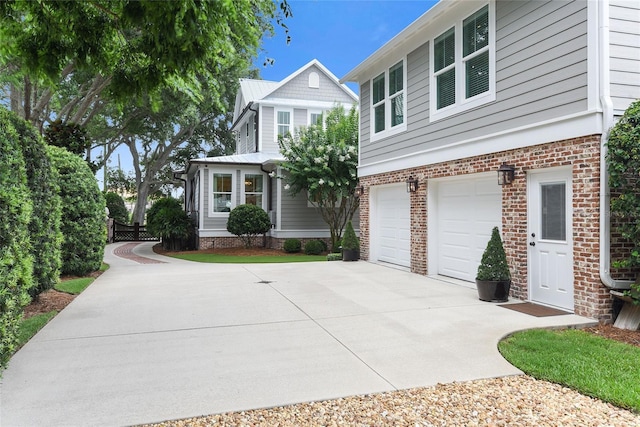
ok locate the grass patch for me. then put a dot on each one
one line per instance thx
(74, 286)
(104, 267)
(29, 327)
(251, 259)
(592, 365)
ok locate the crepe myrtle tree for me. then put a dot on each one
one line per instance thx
(322, 161)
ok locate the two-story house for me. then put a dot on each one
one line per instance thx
(264, 110)
(471, 88)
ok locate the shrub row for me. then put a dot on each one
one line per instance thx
(312, 247)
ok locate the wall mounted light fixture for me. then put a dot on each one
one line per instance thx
(506, 174)
(412, 184)
(359, 191)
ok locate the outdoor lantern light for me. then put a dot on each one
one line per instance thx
(506, 174)
(359, 191)
(412, 184)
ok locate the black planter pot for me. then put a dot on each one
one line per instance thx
(493, 291)
(350, 254)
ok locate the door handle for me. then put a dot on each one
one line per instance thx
(532, 243)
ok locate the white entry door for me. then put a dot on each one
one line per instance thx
(550, 238)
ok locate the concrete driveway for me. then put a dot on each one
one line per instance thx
(174, 339)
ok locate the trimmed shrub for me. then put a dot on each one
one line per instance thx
(350, 240)
(292, 246)
(117, 209)
(247, 222)
(15, 258)
(44, 228)
(313, 247)
(493, 265)
(334, 257)
(166, 219)
(83, 218)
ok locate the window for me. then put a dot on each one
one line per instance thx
(315, 118)
(253, 189)
(388, 100)
(283, 122)
(222, 191)
(462, 72)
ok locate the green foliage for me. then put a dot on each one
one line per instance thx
(117, 210)
(71, 136)
(15, 258)
(292, 246)
(323, 162)
(29, 327)
(83, 214)
(592, 365)
(313, 247)
(247, 222)
(623, 163)
(493, 265)
(350, 240)
(167, 219)
(334, 256)
(44, 227)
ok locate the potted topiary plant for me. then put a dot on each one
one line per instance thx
(350, 244)
(494, 278)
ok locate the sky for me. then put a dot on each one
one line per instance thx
(338, 33)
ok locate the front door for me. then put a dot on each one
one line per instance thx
(550, 238)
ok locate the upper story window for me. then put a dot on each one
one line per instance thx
(388, 104)
(253, 189)
(283, 122)
(463, 64)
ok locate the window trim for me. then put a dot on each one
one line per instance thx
(314, 111)
(243, 193)
(226, 171)
(276, 135)
(388, 130)
(461, 102)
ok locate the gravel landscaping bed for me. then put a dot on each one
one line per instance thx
(507, 401)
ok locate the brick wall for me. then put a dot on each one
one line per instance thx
(591, 298)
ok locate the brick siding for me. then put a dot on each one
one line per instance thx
(591, 297)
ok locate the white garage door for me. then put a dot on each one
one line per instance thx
(391, 235)
(467, 211)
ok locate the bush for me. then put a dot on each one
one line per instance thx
(247, 222)
(15, 258)
(117, 210)
(494, 266)
(334, 257)
(44, 227)
(349, 240)
(83, 218)
(313, 247)
(292, 246)
(166, 219)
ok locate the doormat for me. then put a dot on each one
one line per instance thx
(534, 309)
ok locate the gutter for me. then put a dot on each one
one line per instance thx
(607, 123)
(247, 108)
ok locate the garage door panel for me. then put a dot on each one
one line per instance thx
(467, 211)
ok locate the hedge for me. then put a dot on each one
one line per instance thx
(83, 214)
(15, 257)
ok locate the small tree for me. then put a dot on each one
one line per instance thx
(83, 214)
(623, 163)
(117, 210)
(247, 222)
(493, 265)
(323, 161)
(166, 219)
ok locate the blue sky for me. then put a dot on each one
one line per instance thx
(339, 33)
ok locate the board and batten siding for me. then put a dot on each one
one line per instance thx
(541, 74)
(298, 88)
(269, 145)
(624, 53)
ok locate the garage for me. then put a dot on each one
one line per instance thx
(466, 212)
(391, 234)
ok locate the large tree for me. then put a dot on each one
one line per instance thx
(66, 59)
(322, 161)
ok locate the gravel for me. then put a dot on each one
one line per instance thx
(508, 401)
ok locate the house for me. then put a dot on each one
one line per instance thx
(264, 110)
(471, 87)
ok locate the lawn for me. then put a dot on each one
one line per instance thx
(593, 365)
(250, 259)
